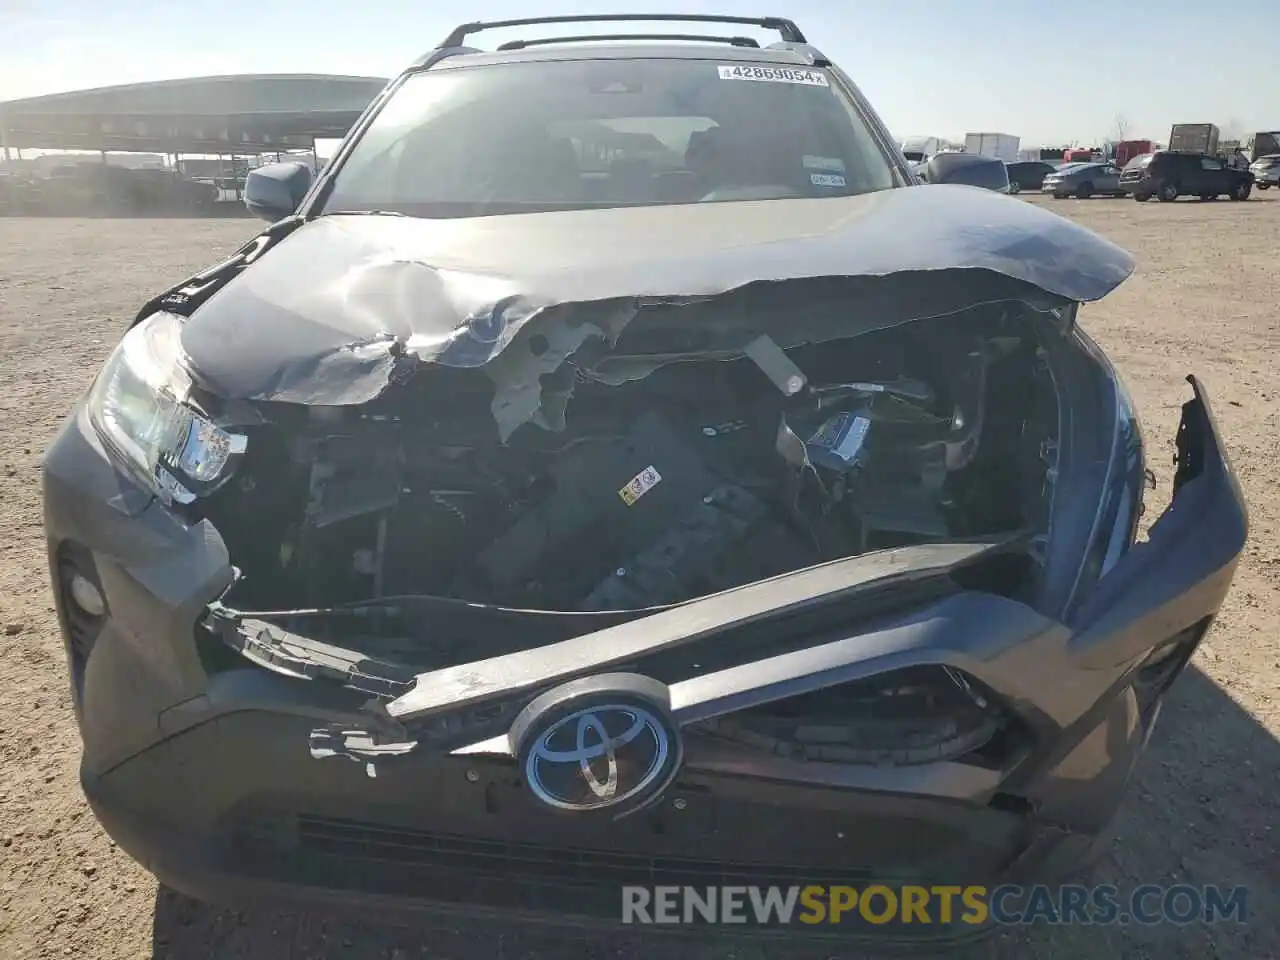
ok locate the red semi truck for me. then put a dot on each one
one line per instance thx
(1078, 154)
(1126, 150)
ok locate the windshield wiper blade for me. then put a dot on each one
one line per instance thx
(364, 213)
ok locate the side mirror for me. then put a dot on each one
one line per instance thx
(273, 192)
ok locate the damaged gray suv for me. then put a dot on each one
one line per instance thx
(617, 468)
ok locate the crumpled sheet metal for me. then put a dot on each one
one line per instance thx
(357, 745)
(330, 314)
(520, 393)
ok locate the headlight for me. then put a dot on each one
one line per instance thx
(139, 407)
(1115, 525)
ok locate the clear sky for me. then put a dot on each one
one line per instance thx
(1051, 73)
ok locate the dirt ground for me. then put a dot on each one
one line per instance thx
(1206, 299)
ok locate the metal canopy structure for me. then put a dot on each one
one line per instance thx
(224, 115)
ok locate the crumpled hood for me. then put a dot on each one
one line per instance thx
(326, 313)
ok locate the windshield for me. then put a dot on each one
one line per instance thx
(525, 137)
(1137, 163)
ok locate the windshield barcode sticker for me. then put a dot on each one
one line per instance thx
(826, 179)
(640, 484)
(808, 78)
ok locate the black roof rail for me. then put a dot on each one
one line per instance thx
(585, 38)
(786, 28)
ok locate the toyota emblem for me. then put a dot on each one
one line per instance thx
(611, 751)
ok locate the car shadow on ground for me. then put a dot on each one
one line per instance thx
(1199, 811)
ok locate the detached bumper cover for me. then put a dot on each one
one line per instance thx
(229, 780)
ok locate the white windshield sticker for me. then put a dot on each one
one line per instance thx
(640, 484)
(834, 164)
(843, 435)
(800, 75)
(848, 446)
(826, 180)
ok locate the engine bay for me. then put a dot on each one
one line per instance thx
(698, 477)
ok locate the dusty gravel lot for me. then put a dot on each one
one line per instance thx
(1206, 299)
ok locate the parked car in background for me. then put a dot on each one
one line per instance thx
(969, 169)
(1028, 174)
(19, 193)
(1169, 174)
(1083, 180)
(1264, 143)
(87, 189)
(1266, 171)
(167, 191)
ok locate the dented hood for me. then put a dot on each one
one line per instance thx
(327, 313)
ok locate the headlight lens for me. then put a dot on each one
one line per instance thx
(139, 407)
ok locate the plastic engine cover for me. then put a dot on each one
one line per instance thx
(612, 499)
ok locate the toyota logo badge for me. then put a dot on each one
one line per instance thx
(595, 749)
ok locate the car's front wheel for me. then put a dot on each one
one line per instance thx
(1015, 187)
(1141, 197)
(1241, 191)
(1264, 186)
(1168, 192)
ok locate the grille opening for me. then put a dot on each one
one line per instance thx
(336, 837)
(413, 861)
(907, 717)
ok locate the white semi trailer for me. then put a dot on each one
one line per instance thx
(1002, 146)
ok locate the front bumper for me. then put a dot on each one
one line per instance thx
(198, 762)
